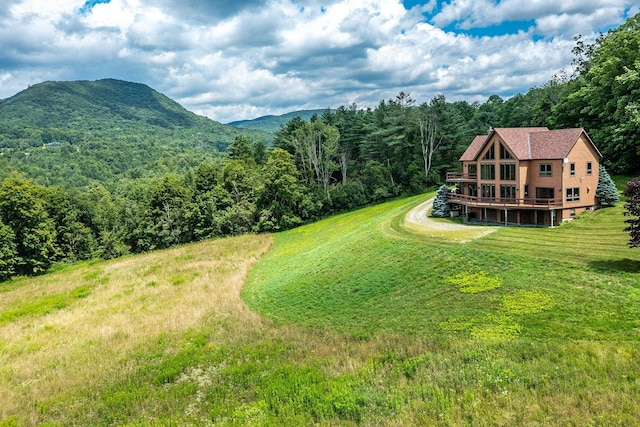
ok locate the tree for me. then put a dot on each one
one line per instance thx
(7, 252)
(349, 124)
(260, 152)
(317, 143)
(376, 182)
(394, 140)
(241, 148)
(281, 193)
(429, 139)
(632, 193)
(167, 209)
(606, 193)
(441, 206)
(22, 208)
(239, 179)
(604, 98)
(70, 212)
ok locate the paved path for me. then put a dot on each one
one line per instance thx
(418, 221)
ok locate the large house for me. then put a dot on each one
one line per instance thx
(526, 176)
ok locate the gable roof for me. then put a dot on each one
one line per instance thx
(517, 139)
(530, 143)
(556, 144)
(472, 150)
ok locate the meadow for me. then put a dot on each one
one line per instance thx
(353, 320)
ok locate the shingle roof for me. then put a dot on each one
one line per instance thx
(530, 143)
(517, 139)
(472, 150)
(554, 144)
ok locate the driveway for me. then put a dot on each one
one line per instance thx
(418, 221)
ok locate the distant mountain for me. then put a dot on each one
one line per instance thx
(273, 123)
(74, 133)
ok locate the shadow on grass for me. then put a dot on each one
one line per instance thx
(626, 265)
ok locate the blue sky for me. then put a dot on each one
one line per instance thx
(240, 59)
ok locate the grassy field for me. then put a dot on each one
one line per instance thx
(354, 320)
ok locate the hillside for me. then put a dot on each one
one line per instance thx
(357, 321)
(77, 132)
(273, 123)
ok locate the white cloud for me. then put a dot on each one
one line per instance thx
(552, 18)
(249, 58)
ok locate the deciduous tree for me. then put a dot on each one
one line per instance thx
(22, 208)
(281, 193)
(7, 252)
(604, 99)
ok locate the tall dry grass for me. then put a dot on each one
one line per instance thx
(132, 301)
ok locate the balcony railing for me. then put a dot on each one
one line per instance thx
(504, 202)
(459, 176)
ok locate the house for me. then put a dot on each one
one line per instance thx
(526, 176)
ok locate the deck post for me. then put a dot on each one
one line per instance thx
(553, 216)
(506, 216)
(486, 220)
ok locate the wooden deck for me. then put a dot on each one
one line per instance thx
(461, 177)
(486, 202)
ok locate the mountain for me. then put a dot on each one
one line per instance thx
(273, 123)
(74, 133)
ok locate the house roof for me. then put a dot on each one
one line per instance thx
(517, 139)
(556, 144)
(530, 143)
(472, 150)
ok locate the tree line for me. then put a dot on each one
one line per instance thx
(334, 162)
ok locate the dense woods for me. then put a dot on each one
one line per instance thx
(76, 134)
(109, 178)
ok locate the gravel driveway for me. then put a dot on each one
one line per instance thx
(418, 221)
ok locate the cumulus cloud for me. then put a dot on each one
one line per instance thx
(242, 59)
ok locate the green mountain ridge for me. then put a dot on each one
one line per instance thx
(103, 129)
(272, 123)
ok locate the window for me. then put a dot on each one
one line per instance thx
(589, 168)
(490, 154)
(473, 171)
(507, 191)
(473, 190)
(545, 169)
(573, 194)
(488, 191)
(508, 171)
(526, 190)
(488, 171)
(572, 169)
(504, 154)
(545, 193)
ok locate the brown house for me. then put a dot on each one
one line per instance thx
(526, 176)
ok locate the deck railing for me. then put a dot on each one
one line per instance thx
(504, 202)
(459, 176)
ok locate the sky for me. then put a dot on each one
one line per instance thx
(241, 59)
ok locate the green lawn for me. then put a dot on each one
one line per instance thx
(362, 273)
(356, 322)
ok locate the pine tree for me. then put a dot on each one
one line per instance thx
(441, 207)
(606, 193)
(632, 193)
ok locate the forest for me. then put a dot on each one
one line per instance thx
(68, 195)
